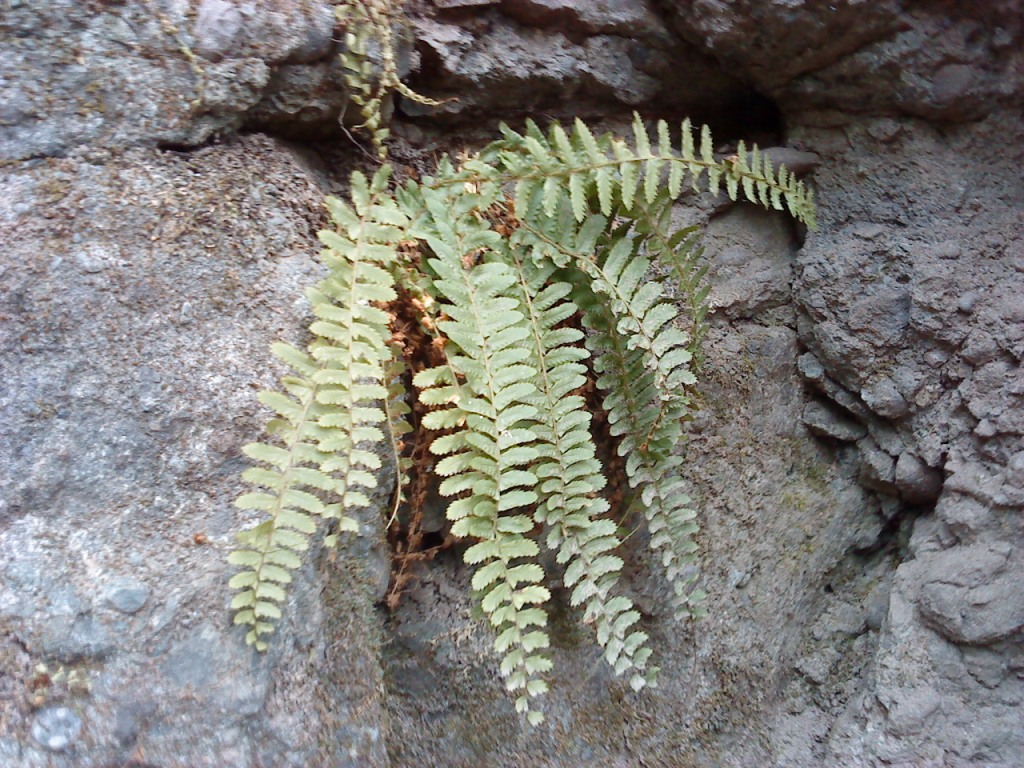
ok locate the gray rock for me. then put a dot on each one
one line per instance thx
(1015, 470)
(618, 17)
(986, 666)
(811, 368)
(878, 468)
(876, 606)
(829, 422)
(126, 595)
(796, 161)
(972, 594)
(818, 666)
(460, 4)
(884, 398)
(56, 728)
(975, 616)
(910, 709)
(79, 638)
(217, 28)
(128, 452)
(917, 482)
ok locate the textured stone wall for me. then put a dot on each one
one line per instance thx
(858, 459)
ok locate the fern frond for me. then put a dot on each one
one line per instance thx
(291, 475)
(354, 333)
(611, 171)
(569, 472)
(396, 408)
(333, 409)
(622, 274)
(491, 392)
(677, 250)
(649, 428)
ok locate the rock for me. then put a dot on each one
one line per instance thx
(828, 422)
(917, 482)
(193, 662)
(56, 728)
(974, 594)
(738, 579)
(878, 468)
(599, 54)
(461, 4)
(126, 595)
(1015, 470)
(867, 230)
(811, 368)
(910, 710)
(125, 75)
(130, 720)
(952, 83)
(618, 17)
(818, 666)
(884, 398)
(117, 453)
(968, 301)
(217, 28)
(966, 516)
(79, 638)
(977, 616)
(876, 606)
(750, 274)
(882, 316)
(795, 161)
(923, 63)
(986, 666)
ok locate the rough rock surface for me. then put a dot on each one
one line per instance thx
(911, 303)
(858, 459)
(140, 288)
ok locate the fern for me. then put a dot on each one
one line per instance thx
(369, 84)
(332, 409)
(505, 258)
(569, 473)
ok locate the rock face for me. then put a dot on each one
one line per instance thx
(139, 289)
(858, 459)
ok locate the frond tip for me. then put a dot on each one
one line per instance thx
(292, 480)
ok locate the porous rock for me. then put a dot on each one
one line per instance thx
(141, 288)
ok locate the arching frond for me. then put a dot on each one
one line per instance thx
(569, 472)
(333, 410)
(487, 461)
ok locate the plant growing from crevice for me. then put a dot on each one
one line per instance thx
(503, 287)
(372, 80)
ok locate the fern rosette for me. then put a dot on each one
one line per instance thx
(536, 264)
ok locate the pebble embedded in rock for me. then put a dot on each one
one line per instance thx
(738, 579)
(56, 728)
(968, 302)
(127, 596)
